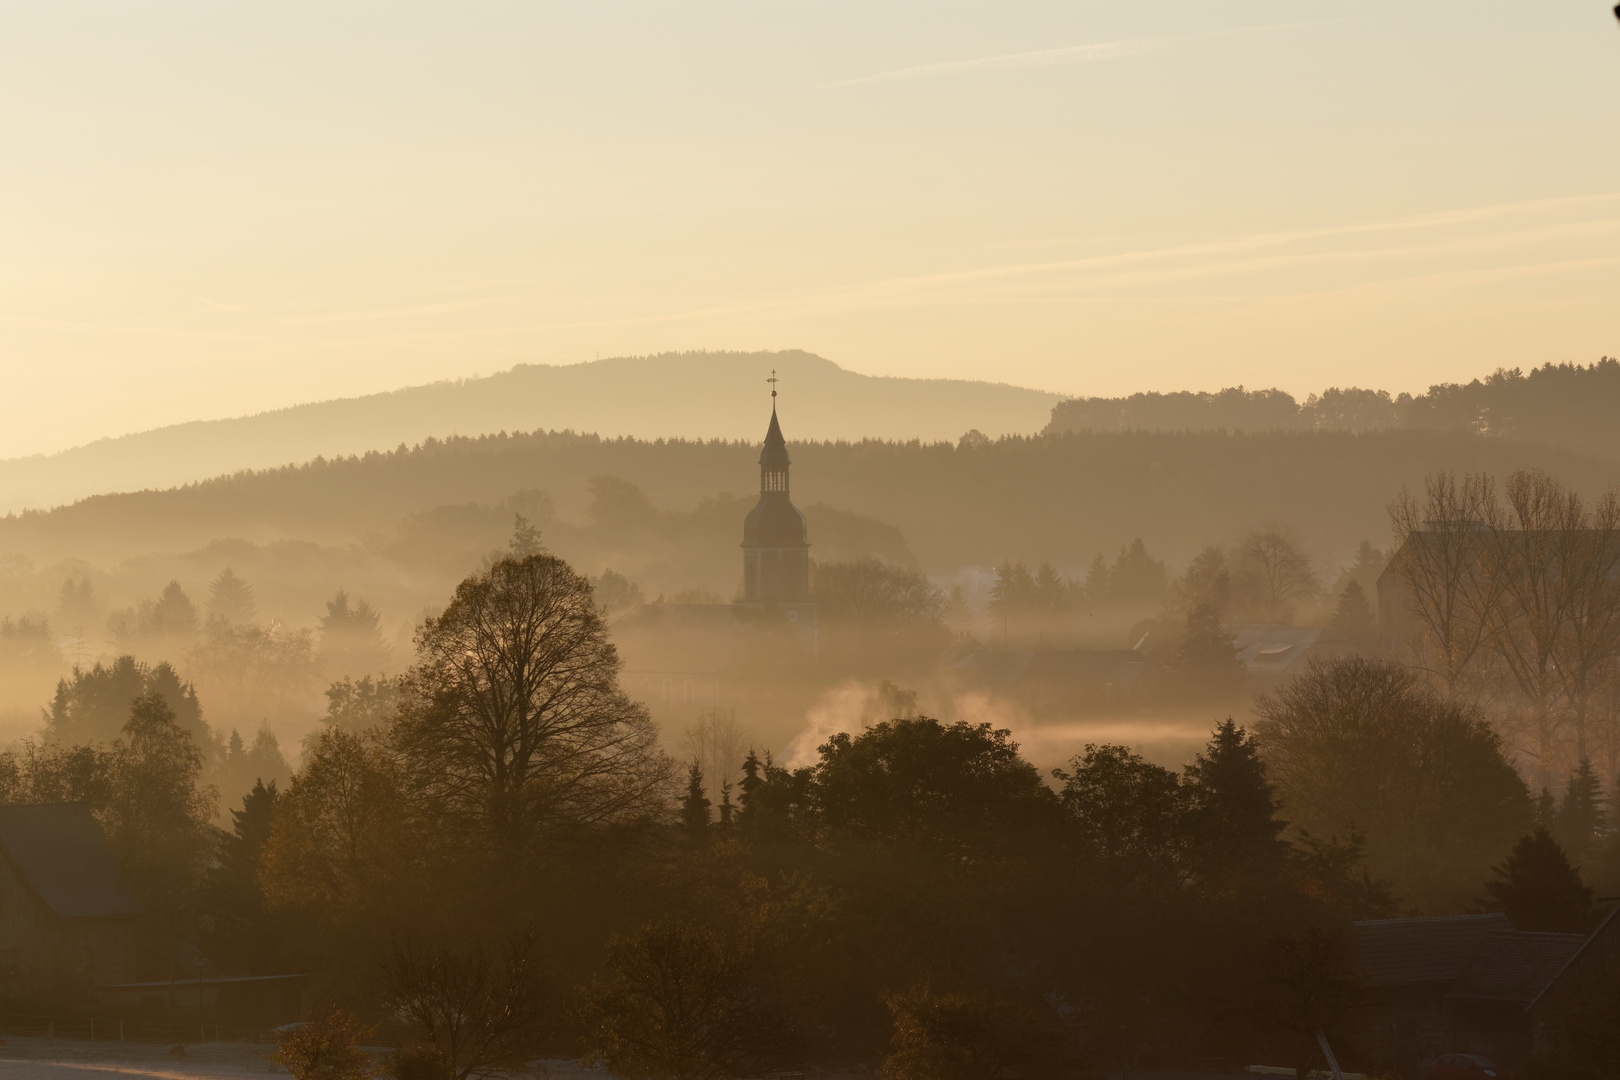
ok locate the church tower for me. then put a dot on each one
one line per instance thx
(776, 545)
(776, 556)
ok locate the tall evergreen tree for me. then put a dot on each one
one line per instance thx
(695, 808)
(1538, 889)
(726, 808)
(238, 935)
(1207, 663)
(1582, 819)
(230, 598)
(1232, 815)
(1354, 617)
(748, 787)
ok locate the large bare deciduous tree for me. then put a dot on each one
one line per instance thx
(512, 722)
(1438, 544)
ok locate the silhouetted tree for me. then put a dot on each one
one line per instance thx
(230, 598)
(1538, 889)
(1129, 810)
(674, 1002)
(361, 704)
(351, 637)
(962, 1036)
(525, 538)
(1354, 617)
(1232, 822)
(1207, 663)
(512, 721)
(920, 783)
(616, 592)
(328, 1048)
(1365, 745)
(1271, 576)
(1582, 819)
(239, 935)
(94, 704)
(482, 1013)
(695, 808)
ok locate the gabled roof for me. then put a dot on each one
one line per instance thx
(1515, 965)
(1265, 648)
(1415, 952)
(59, 852)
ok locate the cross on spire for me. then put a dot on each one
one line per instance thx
(773, 380)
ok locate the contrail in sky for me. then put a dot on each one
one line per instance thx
(1069, 54)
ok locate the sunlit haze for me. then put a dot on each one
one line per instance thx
(210, 210)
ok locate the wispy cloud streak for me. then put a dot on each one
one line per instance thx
(1068, 54)
(1071, 54)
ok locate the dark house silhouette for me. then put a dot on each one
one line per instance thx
(67, 915)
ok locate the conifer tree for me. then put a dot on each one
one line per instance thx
(695, 808)
(725, 804)
(1581, 820)
(1539, 890)
(525, 538)
(748, 787)
(1354, 616)
(1233, 814)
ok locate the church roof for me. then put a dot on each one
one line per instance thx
(59, 851)
(775, 452)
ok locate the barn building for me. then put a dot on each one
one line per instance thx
(67, 915)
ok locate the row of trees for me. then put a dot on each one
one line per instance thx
(1514, 600)
(920, 891)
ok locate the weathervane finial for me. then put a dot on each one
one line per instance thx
(773, 381)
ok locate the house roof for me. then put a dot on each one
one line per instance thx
(1268, 648)
(1415, 952)
(1515, 965)
(59, 851)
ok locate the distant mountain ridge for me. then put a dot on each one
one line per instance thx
(682, 395)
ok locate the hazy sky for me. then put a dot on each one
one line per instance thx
(214, 208)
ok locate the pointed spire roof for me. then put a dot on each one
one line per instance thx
(775, 452)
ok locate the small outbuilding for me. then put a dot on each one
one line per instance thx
(1454, 984)
(67, 914)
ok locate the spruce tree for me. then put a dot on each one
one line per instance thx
(238, 933)
(1354, 616)
(725, 804)
(747, 807)
(1538, 889)
(1233, 816)
(1581, 820)
(695, 809)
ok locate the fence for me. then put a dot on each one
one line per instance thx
(104, 1029)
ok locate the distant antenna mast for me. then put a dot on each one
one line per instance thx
(773, 380)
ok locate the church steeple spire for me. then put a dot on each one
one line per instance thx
(776, 549)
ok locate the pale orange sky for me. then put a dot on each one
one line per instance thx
(210, 209)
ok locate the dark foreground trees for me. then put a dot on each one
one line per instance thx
(476, 1011)
(674, 1001)
(1365, 746)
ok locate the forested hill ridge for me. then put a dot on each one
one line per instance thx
(1062, 498)
(690, 395)
(1567, 405)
